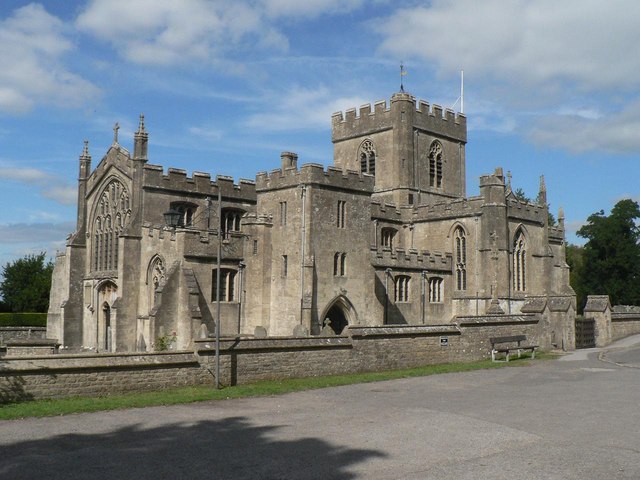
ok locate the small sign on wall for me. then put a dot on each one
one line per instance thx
(444, 341)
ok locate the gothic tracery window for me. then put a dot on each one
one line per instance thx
(367, 156)
(460, 252)
(435, 165)
(112, 215)
(519, 262)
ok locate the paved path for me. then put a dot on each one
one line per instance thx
(572, 419)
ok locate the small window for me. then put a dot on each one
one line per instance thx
(227, 288)
(435, 290)
(387, 235)
(402, 288)
(342, 209)
(255, 247)
(410, 199)
(283, 213)
(339, 264)
(231, 220)
(187, 213)
(285, 265)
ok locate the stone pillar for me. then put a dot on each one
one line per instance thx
(599, 308)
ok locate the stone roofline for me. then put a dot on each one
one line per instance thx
(314, 174)
(425, 116)
(199, 182)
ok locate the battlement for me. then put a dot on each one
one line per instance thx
(458, 207)
(385, 211)
(412, 260)
(199, 183)
(423, 116)
(314, 174)
(525, 211)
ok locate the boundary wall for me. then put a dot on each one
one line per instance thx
(247, 360)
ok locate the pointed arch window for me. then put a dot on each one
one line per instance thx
(112, 216)
(435, 165)
(460, 252)
(367, 156)
(520, 262)
(187, 212)
(156, 278)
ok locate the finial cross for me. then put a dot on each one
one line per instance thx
(116, 127)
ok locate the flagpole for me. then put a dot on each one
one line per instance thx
(461, 91)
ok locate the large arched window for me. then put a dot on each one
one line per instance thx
(435, 165)
(112, 215)
(520, 262)
(460, 252)
(367, 156)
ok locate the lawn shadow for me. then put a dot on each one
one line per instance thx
(230, 448)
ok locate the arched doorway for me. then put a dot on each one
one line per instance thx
(340, 313)
(337, 318)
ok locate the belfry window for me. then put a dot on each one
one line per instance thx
(367, 156)
(435, 165)
(227, 288)
(112, 215)
(460, 255)
(520, 262)
(402, 288)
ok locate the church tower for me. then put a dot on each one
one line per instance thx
(415, 152)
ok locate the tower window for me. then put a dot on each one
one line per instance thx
(339, 264)
(285, 265)
(402, 288)
(435, 290)
(386, 236)
(227, 287)
(342, 210)
(283, 213)
(367, 156)
(435, 165)
(231, 220)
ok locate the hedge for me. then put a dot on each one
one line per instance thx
(23, 319)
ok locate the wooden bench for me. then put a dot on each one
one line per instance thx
(498, 346)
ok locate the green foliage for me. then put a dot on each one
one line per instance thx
(164, 343)
(575, 260)
(27, 283)
(610, 260)
(23, 319)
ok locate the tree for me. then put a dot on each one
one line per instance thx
(575, 260)
(610, 263)
(27, 283)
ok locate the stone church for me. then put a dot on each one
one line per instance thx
(387, 235)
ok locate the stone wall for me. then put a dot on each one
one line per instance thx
(247, 360)
(21, 333)
(624, 324)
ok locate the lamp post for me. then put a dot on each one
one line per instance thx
(172, 218)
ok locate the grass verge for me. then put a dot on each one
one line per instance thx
(65, 406)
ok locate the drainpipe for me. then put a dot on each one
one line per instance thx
(303, 192)
(387, 274)
(423, 290)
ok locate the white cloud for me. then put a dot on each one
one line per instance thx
(578, 133)
(32, 44)
(166, 32)
(40, 233)
(301, 109)
(584, 42)
(309, 8)
(52, 186)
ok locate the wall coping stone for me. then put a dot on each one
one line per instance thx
(403, 330)
(484, 320)
(207, 345)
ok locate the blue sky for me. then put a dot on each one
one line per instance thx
(550, 88)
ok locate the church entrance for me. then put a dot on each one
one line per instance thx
(337, 318)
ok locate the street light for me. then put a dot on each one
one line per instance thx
(172, 218)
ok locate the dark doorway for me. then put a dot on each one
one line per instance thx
(338, 319)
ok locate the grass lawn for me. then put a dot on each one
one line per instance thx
(64, 406)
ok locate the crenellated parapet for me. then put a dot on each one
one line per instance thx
(460, 207)
(526, 211)
(386, 211)
(401, 259)
(314, 174)
(383, 116)
(199, 183)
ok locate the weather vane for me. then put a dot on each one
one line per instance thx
(403, 72)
